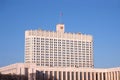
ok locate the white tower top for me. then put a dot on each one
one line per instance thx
(60, 28)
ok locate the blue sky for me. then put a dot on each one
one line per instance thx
(100, 18)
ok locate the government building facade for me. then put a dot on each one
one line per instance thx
(34, 72)
(58, 55)
(58, 49)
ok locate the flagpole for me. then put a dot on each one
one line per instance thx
(60, 17)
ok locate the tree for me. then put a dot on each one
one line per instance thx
(12, 77)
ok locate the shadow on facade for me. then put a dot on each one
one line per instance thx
(40, 75)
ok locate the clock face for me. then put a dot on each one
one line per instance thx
(61, 27)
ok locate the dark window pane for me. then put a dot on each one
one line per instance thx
(46, 75)
(88, 75)
(64, 76)
(96, 76)
(59, 75)
(68, 75)
(84, 75)
(80, 75)
(92, 75)
(76, 75)
(72, 75)
(51, 76)
(55, 75)
(104, 76)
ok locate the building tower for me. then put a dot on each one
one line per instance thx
(58, 49)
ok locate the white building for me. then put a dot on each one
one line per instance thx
(59, 56)
(58, 49)
(57, 73)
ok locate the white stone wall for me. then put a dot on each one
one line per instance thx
(58, 49)
(62, 73)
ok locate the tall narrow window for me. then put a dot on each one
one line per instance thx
(64, 76)
(96, 76)
(51, 76)
(46, 75)
(104, 76)
(72, 75)
(55, 75)
(84, 75)
(80, 75)
(68, 75)
(89, 76)
(92, 75)
(59, 75)
(76, 75)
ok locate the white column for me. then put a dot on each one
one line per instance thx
(70, 75)
(86, 75)
(22, 71)
(98, 76)
(61, 75)
(111, 75)
(57, 75)
(94, 75)
(106, 76)
(78, 75)
(32, 71)
(74, 75)
(117, 76)
(48, 74)
(102, 75)
(44, 74)
(66, 74)
(91, 78)
(82, 75)
(53, 74)
(114, 75)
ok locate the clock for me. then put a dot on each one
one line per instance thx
(61, 27)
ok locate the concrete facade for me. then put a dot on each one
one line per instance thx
(59, 56)
(58, 49)
(57, 73)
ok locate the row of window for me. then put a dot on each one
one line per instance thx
(59, 75)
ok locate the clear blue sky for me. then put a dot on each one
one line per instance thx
(100, 18)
